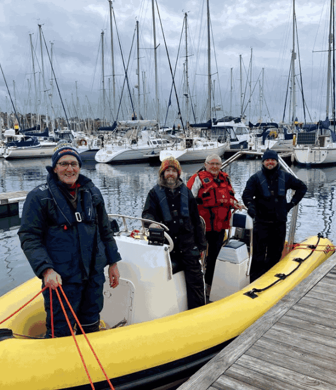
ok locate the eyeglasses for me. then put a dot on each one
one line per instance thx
(65, 164)
(215, 164)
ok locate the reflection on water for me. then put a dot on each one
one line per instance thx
(125, 187)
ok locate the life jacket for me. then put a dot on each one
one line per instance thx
(264, 185)
(214, 200)
(184, 204)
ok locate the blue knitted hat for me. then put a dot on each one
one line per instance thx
(270, 154)
(64, 150)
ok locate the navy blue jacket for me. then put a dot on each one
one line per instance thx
(52, 237)
(270, 202)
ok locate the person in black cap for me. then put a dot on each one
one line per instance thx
(265, 198)
(66, 236)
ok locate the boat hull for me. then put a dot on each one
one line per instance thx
(315, 155)
(34, 152)
(140, 348)
(193, 154)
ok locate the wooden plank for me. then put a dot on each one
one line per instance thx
(293, 364)
(285, 375)
(254, 378)
(297, 352)
(325, 288)
(303, 335)
(230, 383)
(327, 281)
(306, 345)
(12, 197)
(208, 374)
(308, 325)
(313, 307)
(322, 294)
(318, 319)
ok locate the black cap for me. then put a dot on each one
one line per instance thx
(270, 155)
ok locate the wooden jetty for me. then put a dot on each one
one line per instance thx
(9, 209)
(291, 347)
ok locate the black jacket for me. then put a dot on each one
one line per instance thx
(273, 208)
(186, 232)
(52, 237)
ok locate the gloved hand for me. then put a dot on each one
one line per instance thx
(251, 211)
(289, 206)
(52, 279)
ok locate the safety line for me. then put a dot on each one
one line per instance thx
(252, 293)
(23, 306)
(84, 334)
(51, 314)
(74, 337)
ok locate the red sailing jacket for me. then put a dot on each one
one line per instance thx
(215, 198)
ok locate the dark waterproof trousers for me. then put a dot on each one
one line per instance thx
(190, 262)
(268, 244)
(86, 300)
(215, 242)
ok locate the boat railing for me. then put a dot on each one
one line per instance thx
(144, 231)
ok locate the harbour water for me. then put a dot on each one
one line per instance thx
(125, 187)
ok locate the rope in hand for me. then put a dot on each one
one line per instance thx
(84, 334)
(70, 327)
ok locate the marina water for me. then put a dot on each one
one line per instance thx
(125, 187)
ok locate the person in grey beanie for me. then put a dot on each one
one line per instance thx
(265, 198)
(66, 236)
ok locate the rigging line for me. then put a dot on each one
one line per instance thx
(171, 88)
(123, 61)
(284, 112)
(219, 86)
(52, 68)
(95, 69)
(171, 71)
(255, 85)
(125, 69)
(10, 96)
(301, 82)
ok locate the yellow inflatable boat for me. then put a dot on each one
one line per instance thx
(159, 341)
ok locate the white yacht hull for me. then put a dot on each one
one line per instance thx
(29, 152)
(315, 155)
(193, 154)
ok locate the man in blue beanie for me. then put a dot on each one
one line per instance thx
(66, 236)
(265, 198)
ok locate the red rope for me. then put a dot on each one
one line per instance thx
(87, 340)
(51, 314)
(22, 306)
(73, 336)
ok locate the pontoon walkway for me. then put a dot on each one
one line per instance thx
(292, 347)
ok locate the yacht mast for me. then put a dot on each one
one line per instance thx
(34, 75)
(112, 59)
(231, 88)
(209, 62)
(330, 45)
(186, 67)
(293, 69)
(138, 67)
(155, 62)
(241, 86)
(103, 75)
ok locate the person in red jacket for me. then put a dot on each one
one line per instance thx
(215, 198)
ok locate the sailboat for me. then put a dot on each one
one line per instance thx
(317, 145)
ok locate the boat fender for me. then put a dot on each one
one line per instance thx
(6, 334)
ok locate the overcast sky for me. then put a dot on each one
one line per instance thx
(74, 27)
